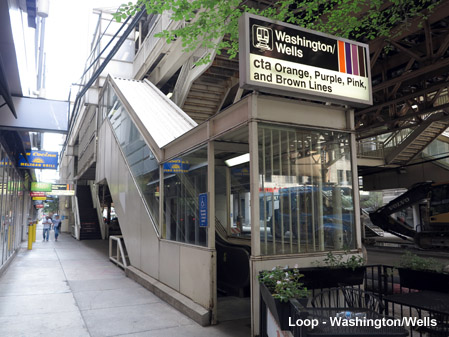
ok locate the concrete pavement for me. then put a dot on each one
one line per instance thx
(70, 288)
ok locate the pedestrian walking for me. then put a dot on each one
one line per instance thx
(47, 222)
(57, 226)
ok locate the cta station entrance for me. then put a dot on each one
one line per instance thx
(297, 197)
(271, 180)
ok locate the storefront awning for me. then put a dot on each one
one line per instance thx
(34, 114)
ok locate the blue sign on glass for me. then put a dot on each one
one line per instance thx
(39, 160)
(176, 166)
(203, 209)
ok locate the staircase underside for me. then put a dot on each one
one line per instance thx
(208, 92)
(417, 141)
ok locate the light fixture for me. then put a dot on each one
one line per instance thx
(169, 95)
(244, 158)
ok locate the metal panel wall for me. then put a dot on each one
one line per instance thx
(172, 263)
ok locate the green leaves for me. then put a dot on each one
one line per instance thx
(335, 261)
(415, 262)
(284, 283)
(205, 22)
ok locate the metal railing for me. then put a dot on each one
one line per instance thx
(382, 281)
(97, 206)
(370, 149)
(148, 46)
(118, 254)
(377, 148)
(178, 92)
(87, 136)
(77, 227)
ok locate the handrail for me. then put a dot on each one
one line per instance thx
(378, 148)
(370, 149)
(119, 258)
(178, 96)
(75, 210)
(397, 137)
(97, 205)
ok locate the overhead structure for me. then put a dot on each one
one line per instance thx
(410, 72)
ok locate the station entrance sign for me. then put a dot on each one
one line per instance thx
(285, 59)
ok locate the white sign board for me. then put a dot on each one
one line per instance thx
(281, 58)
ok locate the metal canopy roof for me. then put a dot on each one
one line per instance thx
(9, 72)
(163, 119)
(35, 114)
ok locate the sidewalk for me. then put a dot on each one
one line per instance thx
(70, 288)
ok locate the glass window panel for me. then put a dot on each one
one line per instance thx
(240, 200)
(14, 217)
(185, 178)
(141, 160)
(2, 198)
(306, 198)
(5, 213)
(439, 200)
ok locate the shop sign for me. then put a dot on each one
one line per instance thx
(62, 192)
(39, 198)
(176, 166)
(281, 58)
(40, 187)
(61, 189)
(37, 194)
(5, 162)
(39, 160)
(39, 206)
(240, 171)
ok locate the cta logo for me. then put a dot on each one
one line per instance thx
(262, 38)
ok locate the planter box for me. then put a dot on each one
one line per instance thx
(281, 311)
(327, 277)
(424, 280)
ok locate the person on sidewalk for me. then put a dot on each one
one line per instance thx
(47, 226)
(57, 226)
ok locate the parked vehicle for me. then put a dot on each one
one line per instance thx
(299, 212)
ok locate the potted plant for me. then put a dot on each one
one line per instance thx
(277, 287)
(335, 270)
(422, 273)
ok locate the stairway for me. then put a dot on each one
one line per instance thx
(90, 228)
(207, 93)
(418, 139)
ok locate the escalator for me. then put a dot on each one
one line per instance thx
(233, 272)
